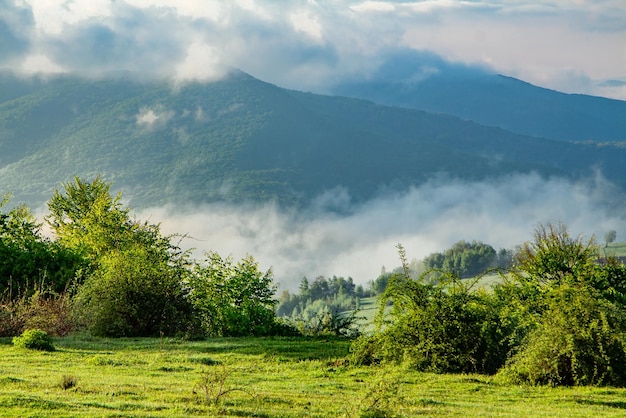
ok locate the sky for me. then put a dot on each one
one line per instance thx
(574, 46)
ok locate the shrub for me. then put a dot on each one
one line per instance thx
(578, 342)
(134, 292)
(233, 299)
(47, 311)
(34, 339)
(68, 382)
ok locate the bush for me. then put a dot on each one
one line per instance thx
(446, 327)
(47, 311)
(34, 339)
(134, 292)
(579, 341)
(234, 299)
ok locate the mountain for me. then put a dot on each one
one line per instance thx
(495, 100)
(242, 139)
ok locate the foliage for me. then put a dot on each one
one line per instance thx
(468, 259)
(68, 382)
(212, 386)
(43, 310)
(328, 306)
(86, 217)
(134, 292)
(133, 286)
(34, 339)
(444, 327)
(610, 237)
(27, 259)
(323, 318)
(579, 341)
(233, 299)
(577, 305)
(557, 319)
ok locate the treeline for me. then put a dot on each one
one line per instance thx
(557, 317)
(327, 305)
(113, 275)
(463, 260)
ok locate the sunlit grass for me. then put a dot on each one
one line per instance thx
(269, 377)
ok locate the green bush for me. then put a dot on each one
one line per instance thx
(579, 341)
(34, 339)
(134, 292)
(450, 330)
(234, 299)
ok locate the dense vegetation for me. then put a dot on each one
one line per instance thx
(556, 316)
(323, 305)
(117, 276)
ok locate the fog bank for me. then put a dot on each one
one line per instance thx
(425, 219)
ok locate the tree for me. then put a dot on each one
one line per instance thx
(554, 257)
(610, 237)
(134, 283)
(464, 259)
(233, 299)
(86, 217)
(29, 260)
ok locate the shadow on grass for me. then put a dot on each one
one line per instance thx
(286, 348)
(6, 341)
(610, 404)
(292, 348)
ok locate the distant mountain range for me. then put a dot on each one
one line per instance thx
(242, 139)
(419, 81)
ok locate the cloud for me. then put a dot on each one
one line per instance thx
(307, 44)
(359, 240)
(16, 23)
(156, 118)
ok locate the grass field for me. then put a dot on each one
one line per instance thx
(262, 377)
(616, 249)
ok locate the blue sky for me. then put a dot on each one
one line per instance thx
(569, 45)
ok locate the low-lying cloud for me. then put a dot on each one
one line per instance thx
(424, 220)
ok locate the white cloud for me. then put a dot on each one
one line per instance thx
(39, 63)
(153, 118)
(308, 44)
(202, 63)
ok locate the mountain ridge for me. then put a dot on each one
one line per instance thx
(244, 139)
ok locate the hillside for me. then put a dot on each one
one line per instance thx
(244, 139)
(497, 100)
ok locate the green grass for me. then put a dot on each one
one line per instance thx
(617, 249)
(263, 377)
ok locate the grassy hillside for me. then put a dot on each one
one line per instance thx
(276, 377)
(243, 139)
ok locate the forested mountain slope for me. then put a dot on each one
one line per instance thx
(244, 139)
(497, 100)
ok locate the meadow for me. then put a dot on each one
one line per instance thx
(262, 377)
